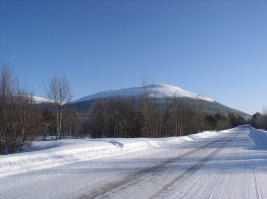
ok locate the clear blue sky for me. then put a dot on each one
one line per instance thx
(213, 47)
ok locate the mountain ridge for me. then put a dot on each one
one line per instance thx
(154, 90)
(159, 93)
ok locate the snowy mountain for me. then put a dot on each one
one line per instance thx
(159, 94)
(154, 90)
(39, 100)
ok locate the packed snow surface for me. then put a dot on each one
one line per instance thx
(230, 164)
(155, 90)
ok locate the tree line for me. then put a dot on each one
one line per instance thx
(22, 120)
(127, 118)
(259, 121)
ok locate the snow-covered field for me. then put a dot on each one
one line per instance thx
(227, 164)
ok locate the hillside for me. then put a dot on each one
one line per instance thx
(159, 95)
(154, 90)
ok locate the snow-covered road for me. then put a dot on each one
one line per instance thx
(232, 164)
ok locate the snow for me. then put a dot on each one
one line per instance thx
(46, 154)
(230, 164)
(155, 90)
(39, 100)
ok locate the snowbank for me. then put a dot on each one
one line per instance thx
(46, 154)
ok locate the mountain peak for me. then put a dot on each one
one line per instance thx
(166, 90)
(155, 90)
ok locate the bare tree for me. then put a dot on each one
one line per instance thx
(60, 93)
(145, 105)
(18, 124)
(48, 120)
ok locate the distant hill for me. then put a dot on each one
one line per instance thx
(159, 94)
(154, 90)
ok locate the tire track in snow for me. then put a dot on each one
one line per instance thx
(107, 190)
(216, 182)
(257, 187)
(190, 171)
